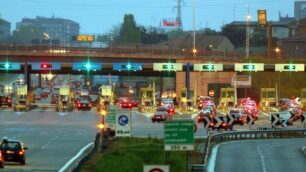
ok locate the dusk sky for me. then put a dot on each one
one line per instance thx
(99, 16)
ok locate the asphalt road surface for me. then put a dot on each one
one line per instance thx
(261, 155)
(52, 138)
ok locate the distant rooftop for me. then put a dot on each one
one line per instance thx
(46, 19)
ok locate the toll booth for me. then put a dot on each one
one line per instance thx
(187, 104)
(267, 99)
(106, 96)
(147, 99)
(303, 98)
(24, 99)
(65, 99)
(227, 98)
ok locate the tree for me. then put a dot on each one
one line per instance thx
(129, 32)
(259, 37)
(234, 34)
(27, 34)
(209, 32)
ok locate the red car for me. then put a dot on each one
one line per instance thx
(5, 100)
(125, 102)
(1, 161)
(170, 109)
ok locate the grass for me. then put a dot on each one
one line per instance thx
(130, 154)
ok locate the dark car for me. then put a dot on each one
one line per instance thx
(1, 161)
(238, 114)
(13, 151)
(161, 114)
(84, 104)
(6, 101)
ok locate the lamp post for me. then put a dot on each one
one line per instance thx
(278, 52)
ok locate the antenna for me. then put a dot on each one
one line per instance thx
(179, 15)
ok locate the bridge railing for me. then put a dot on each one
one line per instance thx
(215, 139)
(148, 51)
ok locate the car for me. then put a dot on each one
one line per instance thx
(170, 109)
(6, 101)
(161, 114)
(124, 102)
(1, 161)
(84, 104)
(239, 116)
(206, 111)
(13, 151)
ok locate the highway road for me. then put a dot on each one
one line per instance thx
(52, 138)
(261, 155)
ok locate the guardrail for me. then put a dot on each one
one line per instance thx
(215, 139)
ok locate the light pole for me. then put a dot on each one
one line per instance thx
(194, 50)
(278, 52)
(247, 41)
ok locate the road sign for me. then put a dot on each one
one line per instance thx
(22, 90)
(206, 122)
(106, 90)
(195, 128)
(290, 67)
(64, 90)
(110, 119)
(241, 81)
(219, 121)
(9, 66)
(250, 120)
(211, 93)
(167, 66)
(278, 118)
(127, 66)
(231, 119)
(123, 124)
(86, 66)
(85, 38)
(156, 168)
(179, 135)
(46, 66)
(239, 67)
(208, 67)
(262, 17)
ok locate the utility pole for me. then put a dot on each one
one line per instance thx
(179, 15)
(247, 41)
(194, 50)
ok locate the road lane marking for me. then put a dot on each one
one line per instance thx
(264, 113)
(73, 159)
(262, 160)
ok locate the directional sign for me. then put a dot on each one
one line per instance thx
(9, 66)
(49, 66)
(274, 119)
(249, 67)
(64, 90)
(156, 168)
(106, 90)
(167, 66)
(231, 119)
(290, 67)
(219, 121)
(280, 118)
(22, 90)
(250, 120)
(123, 124)
(303, 119)
(87, 66)
(206, 122)
(208, 67)
(127, 66)
(179, 135)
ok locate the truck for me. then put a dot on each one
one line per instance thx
(267, 99)
(65, 99)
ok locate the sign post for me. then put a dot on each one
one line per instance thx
(179, 135)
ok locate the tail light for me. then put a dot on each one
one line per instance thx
(9, 100)
(224, 124)
(79, 105)
(240, 119)
(199, 117)
(130, 104)
(211, 124)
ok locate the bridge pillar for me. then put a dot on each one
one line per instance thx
(188, 80)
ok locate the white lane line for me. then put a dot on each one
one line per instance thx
(72, 160)
(262, 159)
(264, 113)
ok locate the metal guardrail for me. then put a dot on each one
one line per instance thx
(215, 139)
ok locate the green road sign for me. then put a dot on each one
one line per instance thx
(110, 119)
(179, 135)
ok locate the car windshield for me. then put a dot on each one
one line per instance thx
(10, 146)
(161, 109)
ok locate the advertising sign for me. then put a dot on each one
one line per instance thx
(106, 90)
(262, 17)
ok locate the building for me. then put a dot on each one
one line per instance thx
(5, 30)
(299, 10)
(55, 29)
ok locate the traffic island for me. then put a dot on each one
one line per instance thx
(303, 150)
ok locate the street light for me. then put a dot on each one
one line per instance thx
(278, 51)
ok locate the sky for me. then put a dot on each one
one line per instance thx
(100, 16)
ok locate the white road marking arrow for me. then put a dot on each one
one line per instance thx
(219, 121)
(251, 119)
(232, 119)
(274, 115)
